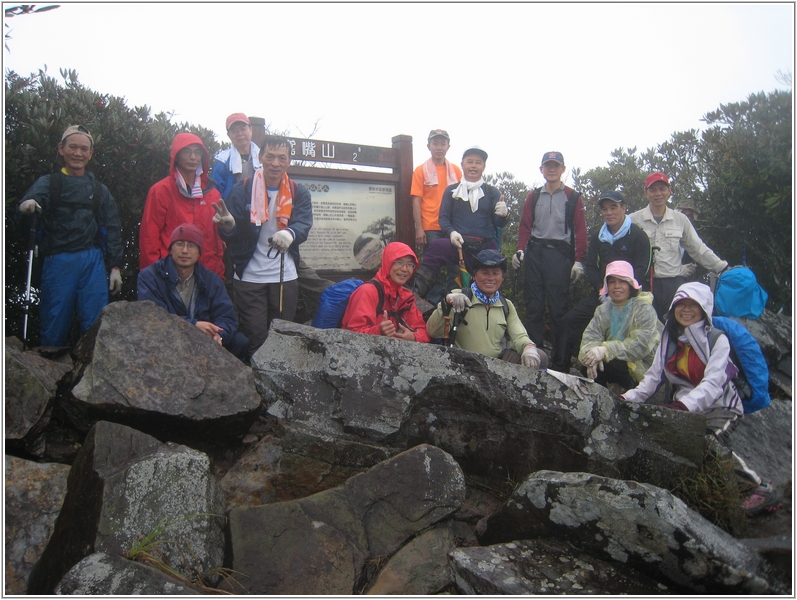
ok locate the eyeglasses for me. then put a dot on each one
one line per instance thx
(189, 245)
(404, 264)
(192, 152)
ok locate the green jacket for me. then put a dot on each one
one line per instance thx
(638, 337)
(485, 328)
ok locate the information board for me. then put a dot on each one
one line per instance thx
(352, 223)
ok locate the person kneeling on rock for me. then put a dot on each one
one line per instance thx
(490, 317)
(398, 315)
(701, 375)
(186, 288)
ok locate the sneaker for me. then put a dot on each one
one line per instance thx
(762, 499)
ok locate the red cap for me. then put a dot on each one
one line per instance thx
(234, 117)
(654, 177)
(187, 232)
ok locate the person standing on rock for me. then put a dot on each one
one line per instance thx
(397, 315)
(264, 221)
(551, 246)
(669, 232)
(490, 316)
(429, 181)
(180, 284)
(470, 212)
(186, 195)
(701, 374)
(79, 222)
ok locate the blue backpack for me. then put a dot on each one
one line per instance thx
(738, 294)
(752, 381)
(335, 299)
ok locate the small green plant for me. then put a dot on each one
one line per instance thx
(147, 550)
(714, 492)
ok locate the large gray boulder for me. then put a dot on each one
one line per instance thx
(635, 524)
(34, 495)
(764, 440)
(31, 382)
(124, 486)
(140, 366)
(498, 420)
(544, 567)
(320, 544)
(112, 575)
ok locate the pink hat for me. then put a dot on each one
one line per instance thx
(235, 117)
(622, 270)
(654, 177)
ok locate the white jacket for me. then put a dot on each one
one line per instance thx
(675, 231)
(715, 390)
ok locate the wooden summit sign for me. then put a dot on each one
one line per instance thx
(356, 212)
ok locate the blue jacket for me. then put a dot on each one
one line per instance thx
(242, 240)
(223, 175)
(211, 303)
(456, 215)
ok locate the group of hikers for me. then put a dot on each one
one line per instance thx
(219, 247)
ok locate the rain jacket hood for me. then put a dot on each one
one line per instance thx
(700, 293)
(183, 140)
(392, 252)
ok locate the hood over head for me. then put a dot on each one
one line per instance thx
(700, 293)
(392, 252)
(183, 140)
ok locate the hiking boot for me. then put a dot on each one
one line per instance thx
(762, 499)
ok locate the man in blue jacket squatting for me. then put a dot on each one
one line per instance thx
(183, 286)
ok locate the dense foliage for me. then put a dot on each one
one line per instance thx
(131, 153)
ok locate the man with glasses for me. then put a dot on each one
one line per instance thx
(186, 195)
(263, 221)
(552, 237)
(179, 284)
(73, 209)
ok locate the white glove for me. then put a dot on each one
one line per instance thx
(115, 281)
(530, 357)
(517, 259)
(456, 239)
(29, 206)
(594, 356)
(282, 240)
(223, 217)
(688, 270)
(458, 301)
(500, 208)
(576, 272)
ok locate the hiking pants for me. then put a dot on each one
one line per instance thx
(546, 273)
(309, 281)
(664, 289)
(258, 304)
(721, 422)
(437, 292)
(71, 281)
(576, 321)
(441, 253)
(616, 371)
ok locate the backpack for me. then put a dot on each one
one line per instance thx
(335, 299)
(570, 212)
(738, 294)
(752, 381)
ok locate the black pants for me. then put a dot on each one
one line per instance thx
(664, 289)
(546, 272)
(576, 321)
(616, 371)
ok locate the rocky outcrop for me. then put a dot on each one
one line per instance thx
(497, 419)
(112, 575)
(764, 440)
(544, 567)
(635, 524)
(142, 367)
(320, 544)
(34, 495)
(30, 386)
(128, 491)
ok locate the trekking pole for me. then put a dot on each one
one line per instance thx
(653, 252)
(517, 279)
(446, 307)
(26, 307)
(282, 271)
(458, 318)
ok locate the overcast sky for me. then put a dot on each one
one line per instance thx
(516, 79)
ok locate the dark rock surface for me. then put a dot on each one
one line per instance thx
(320, 544)
(34, 495)
(635, 524)
(111, 575)
(142, 367)
(124, 486)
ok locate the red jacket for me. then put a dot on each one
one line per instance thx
(166, 208)
(360, 313)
